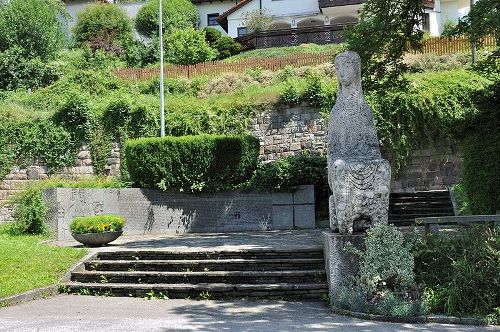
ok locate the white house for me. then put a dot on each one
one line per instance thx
(228, 15)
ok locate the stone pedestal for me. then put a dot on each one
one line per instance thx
(340, 264)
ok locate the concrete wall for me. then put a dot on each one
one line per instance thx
(156, 212)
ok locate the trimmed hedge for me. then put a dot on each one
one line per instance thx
(97, 224)
(192, 163)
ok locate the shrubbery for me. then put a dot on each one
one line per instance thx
(97, 224)
(191, 163)
(177, 14)
(103, 26)
(187, 47)
(461, 272)
(385, 284)
(29, 216)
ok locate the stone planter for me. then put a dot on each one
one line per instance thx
(96, 239)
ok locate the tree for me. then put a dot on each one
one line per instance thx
(187, 47)
(35, 26)
(103, 26)
(386, 30)
(257, 20)
(177, 14)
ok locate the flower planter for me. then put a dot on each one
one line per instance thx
(97, 239)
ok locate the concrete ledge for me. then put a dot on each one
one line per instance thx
(149, 211)
(410, 320)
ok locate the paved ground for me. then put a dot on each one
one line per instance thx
(214, 241)
(85, 313)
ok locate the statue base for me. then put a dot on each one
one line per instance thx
(341, 265)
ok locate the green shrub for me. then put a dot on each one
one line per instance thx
(319, 94)
(212, 35)
(76, 116)
(18, 71)
(177, 14)
(97, 224)
(290, 94)
(460, 271)
(191, 163)
(385, 284)
(481, 156)
(30, 213)
(187, 47)
(35, 26)
(227, 47)
(103, 25)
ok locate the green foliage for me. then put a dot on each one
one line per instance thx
(320, 94)
(97, 224)
(75, 115)
(385, 284)
(29, 216)
(385, 32)
(284, 51)
(191, 163)
(449, 28)
(103, 21)
(463, 203)
(433, 62)
(461, 271)
(187, 47)
(177, 14)
(17, 71)
(34, 26)
(481, 155)
(227, 47)
(257, 19)
(212, 35)
(290, 94)
(387, 262)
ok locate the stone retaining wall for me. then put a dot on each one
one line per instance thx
(283, 131)
(156, 212)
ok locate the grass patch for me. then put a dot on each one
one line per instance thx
(274, 52)
(26, 263)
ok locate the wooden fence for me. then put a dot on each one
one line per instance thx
(214, 68)
(450, 45)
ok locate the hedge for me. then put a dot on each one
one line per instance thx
(191, 163)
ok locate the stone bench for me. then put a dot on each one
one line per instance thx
(457, 220)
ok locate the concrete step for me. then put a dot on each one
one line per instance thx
(203, 291)
(225, 277)
(315, 252)
(266, 264)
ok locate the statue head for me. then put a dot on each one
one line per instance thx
(348, 68)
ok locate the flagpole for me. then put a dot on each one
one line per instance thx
(162, 88)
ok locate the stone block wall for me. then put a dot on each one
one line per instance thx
(283, 131)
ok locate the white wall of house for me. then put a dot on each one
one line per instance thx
(451, 10)
(216, 7)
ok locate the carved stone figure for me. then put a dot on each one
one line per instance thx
(357, 174)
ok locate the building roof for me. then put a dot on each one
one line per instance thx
(222, 19)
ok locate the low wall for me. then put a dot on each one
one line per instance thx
(155, 212)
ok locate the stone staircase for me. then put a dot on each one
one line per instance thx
(252, 273)
(405, 207)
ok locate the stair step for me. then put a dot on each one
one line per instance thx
(229, 277)
(206, 290)
(274, 264)
(201, 255)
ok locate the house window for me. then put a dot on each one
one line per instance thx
(242, 31)
(426, 24)
(212, 19)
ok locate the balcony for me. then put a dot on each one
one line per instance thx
(336, 3)
(326, 34)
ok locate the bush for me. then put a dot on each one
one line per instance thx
(97, 224)
(177, 14)
(460, 271)
(188, 47)
(212, 35)
(385, 284)
(290, 94)
(191, 163)
(30, 213)
(17, 71)
(227, 47)
(103, 26)
(75, 115)
(35, 26)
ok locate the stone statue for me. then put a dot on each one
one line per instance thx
(357, 174)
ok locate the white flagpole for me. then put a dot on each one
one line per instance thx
(162, 92)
